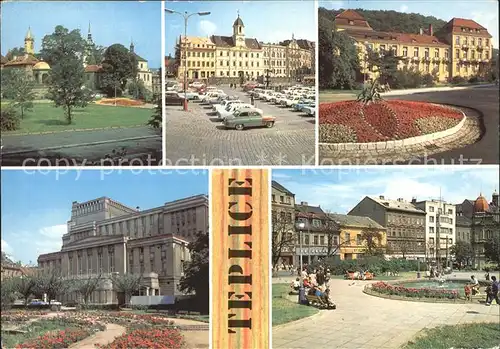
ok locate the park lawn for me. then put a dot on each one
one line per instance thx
(477, 335)
(35, 329)
(45, 118)
(285, 310)
(332, 96)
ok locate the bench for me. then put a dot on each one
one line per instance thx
(319, 302)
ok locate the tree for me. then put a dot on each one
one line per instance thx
(52, 284)
(156, 120)
(63, 50)
(373, 240)
(137, 89)
(463, 252)
(85, 287)
(196, 272)
(25, 286)
(8, 293)
(386, 63)
(19, 88)
(325, 52)
(283, 236)
(127, 284)
(119, 65)
(14, 52)
(96, 55)
(492, 250)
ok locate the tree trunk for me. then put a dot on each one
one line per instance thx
(68, 114)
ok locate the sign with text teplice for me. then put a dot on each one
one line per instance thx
(240, 259)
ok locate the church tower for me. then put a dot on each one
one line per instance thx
(132, 47)
(29, 43)
(90, 42)
(88, 56)
(238, 32)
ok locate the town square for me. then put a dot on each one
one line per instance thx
(251, 55)
(110, 109)
(95, 267)
(391, 258)
(408, 84)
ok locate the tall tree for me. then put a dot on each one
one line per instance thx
(196, 272)
(119, 65)
(52, 284)
(492, 249)
(386, 63)
(25, 286)
(127, 284)
(325, 52)
(63, 50)
(96, 55)
(14, 52)
(283, 236)
(463, 252)
(156, 120)
(85, 287)
(8, 293)
(373, 241)
(19, 88)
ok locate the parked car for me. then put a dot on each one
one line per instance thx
(224, 113)
(225, 104)
(208, 96)
(290, 102)
(190, 95)
(301, 104)
(54, 302)
(245, 118)
(174, 99)
(217, 99)
(36, 303)
(196, 84)
(310, 109)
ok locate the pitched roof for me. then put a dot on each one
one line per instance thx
(396, 205)
(227, 41)
(350, 14)
(456, 25)
(93, 68)
(139, 58)
(310, 209)
(463, 221)
(354, 221)
(396, 37)
(238, 21)
(281, 188)
(26, 59)
(302, 43)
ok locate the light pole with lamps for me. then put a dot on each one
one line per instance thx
(186, 16)
(301, 227)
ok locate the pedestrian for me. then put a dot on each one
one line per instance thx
(251, 99)
(493, 291)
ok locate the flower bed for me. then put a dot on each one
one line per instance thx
(124, 102)
(57, 340)
(148, 338)
(383, 121)
(390, 289)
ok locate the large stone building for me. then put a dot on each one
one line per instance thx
(461, 48)
(106, 237)
(440, 228)
(243, 58)
(283, 223)
(484, 220)
(404, 222)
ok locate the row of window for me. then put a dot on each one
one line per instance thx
(221, 63)
(480, 54)
(441, 230)
(200, 54)
(440, 210)
(283, 199)
(399, 232)
(472, 41)
(404, 219)
(252, 55)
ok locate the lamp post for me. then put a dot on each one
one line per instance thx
(186, 16)
(366, 63)
(301, 227)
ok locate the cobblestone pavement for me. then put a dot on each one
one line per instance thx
(196, 138)
(367, 322)
(82, 147)
(417, 154)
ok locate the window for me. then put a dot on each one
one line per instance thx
(480, 42)
(382, 47)
(431, 230)
(316, 223)
(431, 208)
(306, 239)
(431, 219)
(436, 53)
(347, 238)
(321, 240)
(431, 241)
(315, 239)
(288, 201)
(274, 198)
(358, 239)
(426, 52)
(457, 40)
(415, 52)
(282, 199)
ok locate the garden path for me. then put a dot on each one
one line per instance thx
(362, 321)
(104, 337)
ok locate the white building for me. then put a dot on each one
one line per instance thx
(439, 228)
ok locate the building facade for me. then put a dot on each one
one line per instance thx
(106, 237)
(440, 229)
(240, 57)
(283, 223)
(354, 232)
(404, 223)
(461, 48)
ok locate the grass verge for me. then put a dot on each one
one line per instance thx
(33, 330)
(285, 310)
(478, 335)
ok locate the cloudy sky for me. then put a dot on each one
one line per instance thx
(268, 21)
(111, 22)
(36, 206)
(340, 190)
(484, 12)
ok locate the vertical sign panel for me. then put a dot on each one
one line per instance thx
(240, 259)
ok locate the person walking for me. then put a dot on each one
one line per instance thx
(251, 99)
(493, 292)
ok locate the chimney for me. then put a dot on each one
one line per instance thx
(137, 208)
(431, 32)
(414, 200)
(303, 203)
(381, 197)
(421, 31)
(400, 199)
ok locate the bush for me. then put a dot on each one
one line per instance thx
(458, 80)
(376, 265)
(407, 78)
(9, 119)
(397, 290)
(473, 80)
(428, 80)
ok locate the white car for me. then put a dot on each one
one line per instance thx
(276, 97)
(218, 99)
(291, 101)
(196, 84)
(310, 110)
(225, 104)
(223, 113)
(208, 96)
(269, 96)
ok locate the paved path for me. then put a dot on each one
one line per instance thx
(104, 337)
(81, 147)
(367, 322)
(196, 138)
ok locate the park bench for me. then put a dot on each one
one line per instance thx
(319, 302)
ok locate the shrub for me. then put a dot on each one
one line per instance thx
(428, 80)
(390, 289)
(458, 80)
(148, 338)
(9, 119)
(407, 78)
(473, 80)
(376, 265)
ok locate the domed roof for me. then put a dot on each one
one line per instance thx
(481, 204)
(41, 66)
(238, 21)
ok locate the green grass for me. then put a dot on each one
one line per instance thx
(331, 96)
(285, 310)
(478, 335)
(35, 329)
(45, 117)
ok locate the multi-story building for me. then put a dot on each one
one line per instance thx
(283, 223)
(485, 224)
(319, 234)
(440, 228)
(461, 48)
(354, 232)
(463, 228)
(240, 57)
(404, 223)
(106, 237)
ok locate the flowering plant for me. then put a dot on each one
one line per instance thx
(391, 289)
(148, 338)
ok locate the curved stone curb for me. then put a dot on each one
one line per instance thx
(298, 321)
(71, 130)
(399, 143)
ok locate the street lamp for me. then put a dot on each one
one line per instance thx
(186, 16)
(301, 227)
(366, 62)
